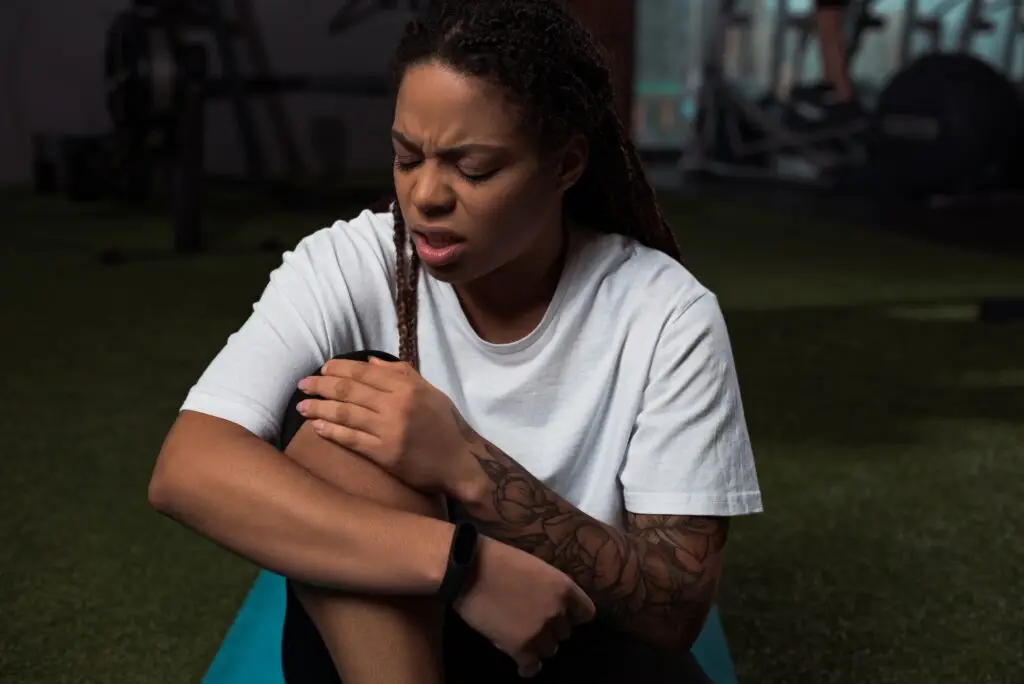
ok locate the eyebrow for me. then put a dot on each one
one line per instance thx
(457, 150)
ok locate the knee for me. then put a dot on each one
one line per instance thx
(352, 473)
(347, 470)
(356, 475)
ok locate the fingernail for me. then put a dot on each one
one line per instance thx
(302, 407)
(305, 384)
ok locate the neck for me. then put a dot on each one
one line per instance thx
(500, 308)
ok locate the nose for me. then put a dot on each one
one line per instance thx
(431, 192)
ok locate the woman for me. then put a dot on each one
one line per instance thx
(565, 386)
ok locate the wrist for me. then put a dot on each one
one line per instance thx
(460, 571)
(433, 562)
(470, 487)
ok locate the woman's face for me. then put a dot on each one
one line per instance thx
(474, 192)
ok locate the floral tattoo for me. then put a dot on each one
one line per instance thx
(657, 580)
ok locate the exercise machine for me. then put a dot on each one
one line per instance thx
(1014, 30)
(736, 136)
(159, 82)
(945, 125)
(859, 20)
(948, 124)
(931, 27)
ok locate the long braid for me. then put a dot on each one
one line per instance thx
(407, 282)
(630, 205)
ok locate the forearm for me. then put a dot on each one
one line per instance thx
(660, 593)
(245, 495)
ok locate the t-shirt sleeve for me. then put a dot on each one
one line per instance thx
(330, 295)
(690, 452)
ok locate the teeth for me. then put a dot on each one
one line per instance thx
(438, 241)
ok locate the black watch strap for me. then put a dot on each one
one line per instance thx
(461, 561)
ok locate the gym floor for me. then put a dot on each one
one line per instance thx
(889, 441)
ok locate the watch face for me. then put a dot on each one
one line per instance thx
(464, 544)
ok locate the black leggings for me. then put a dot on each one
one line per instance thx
(593, 655)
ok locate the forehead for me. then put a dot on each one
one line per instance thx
(442, 107)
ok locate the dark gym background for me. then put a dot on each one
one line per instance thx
(878, 337)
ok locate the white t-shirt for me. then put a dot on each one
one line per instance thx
(624, 396)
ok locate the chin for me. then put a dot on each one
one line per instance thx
(453, 274)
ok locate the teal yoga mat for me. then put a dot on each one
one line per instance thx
(251, 651)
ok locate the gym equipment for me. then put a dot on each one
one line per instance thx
(149, 56)
(87, 168)
(741, 137)
(1014, 31)
(157, 68)
(947, 124)
(251, 651)
(972, 24)
(1001, 309)
(858, 20)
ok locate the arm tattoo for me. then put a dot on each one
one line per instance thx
(657, 580)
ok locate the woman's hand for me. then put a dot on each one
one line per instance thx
(386, 412)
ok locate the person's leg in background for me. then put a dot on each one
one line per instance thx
(829, 16)
(368, 640)
(834, 98)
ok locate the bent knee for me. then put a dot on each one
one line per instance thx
(358, 476)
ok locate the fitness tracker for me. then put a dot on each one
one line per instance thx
(461, 560)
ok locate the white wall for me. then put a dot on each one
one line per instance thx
(51, 80)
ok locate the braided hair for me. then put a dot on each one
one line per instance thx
(553, 68)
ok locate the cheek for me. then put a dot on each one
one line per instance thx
(401, 184)
(506, 208)
(403, 190)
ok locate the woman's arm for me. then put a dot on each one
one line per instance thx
(657, 581)
(689, 453)
(235, 489)
(228, 485)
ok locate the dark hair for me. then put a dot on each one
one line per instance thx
(551, 66)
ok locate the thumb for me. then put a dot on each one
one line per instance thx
(580, 609)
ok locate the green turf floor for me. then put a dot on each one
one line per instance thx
(891, 451)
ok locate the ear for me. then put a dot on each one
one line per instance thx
(573, 162)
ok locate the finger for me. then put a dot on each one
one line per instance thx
(344, 389)
(341, 413)
(581, 608)
(355, 440)
(365, 373)
(530, 669)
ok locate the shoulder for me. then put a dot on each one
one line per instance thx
(646, 281)
(367, 235)
(351, 259)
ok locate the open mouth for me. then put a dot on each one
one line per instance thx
(438, 249)
(439, 240)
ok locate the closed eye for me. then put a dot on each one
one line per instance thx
(406, 163)
(478, 177)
